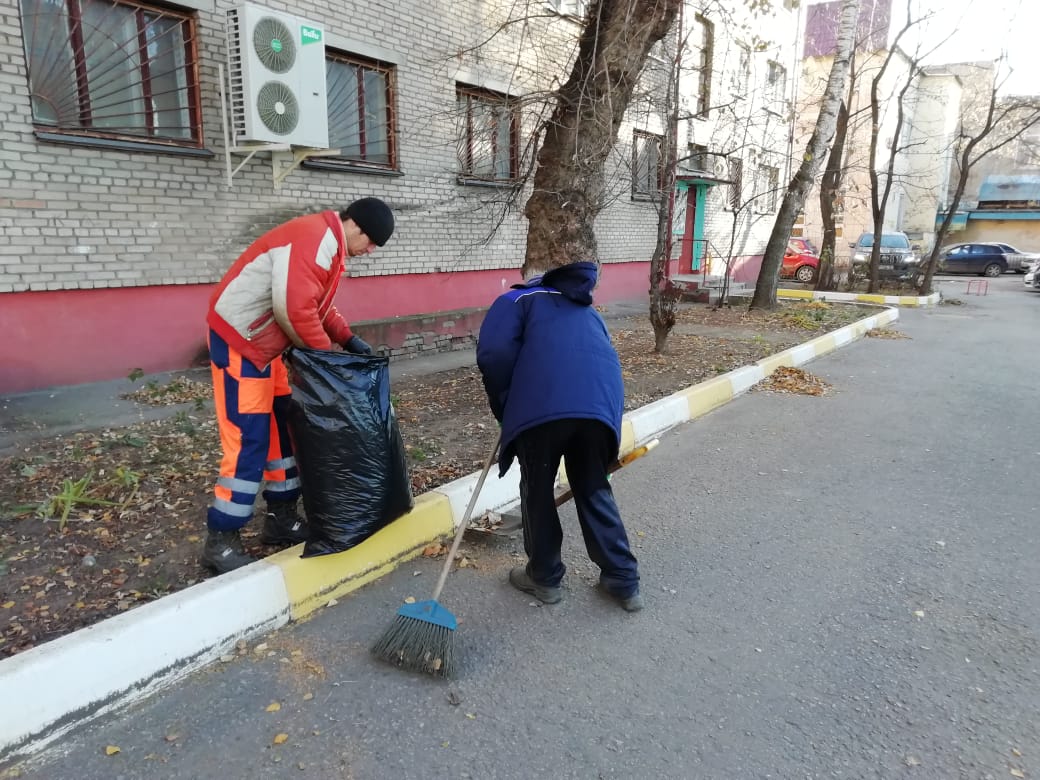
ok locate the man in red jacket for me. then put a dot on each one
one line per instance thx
(277, 294)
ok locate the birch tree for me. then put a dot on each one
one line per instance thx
(794, 198)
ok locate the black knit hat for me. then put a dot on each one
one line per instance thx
(374, 217)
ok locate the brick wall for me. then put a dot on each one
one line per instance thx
(81, 218)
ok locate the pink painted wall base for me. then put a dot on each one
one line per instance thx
(74, 336)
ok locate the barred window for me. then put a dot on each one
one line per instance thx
(488, 139)
(361, 95)
(647, 165)
(112, 68)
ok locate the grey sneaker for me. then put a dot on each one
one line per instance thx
(633, 602)
(521, 580)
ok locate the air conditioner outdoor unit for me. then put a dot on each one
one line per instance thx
(276, 75)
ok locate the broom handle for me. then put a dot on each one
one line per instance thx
(465, 519)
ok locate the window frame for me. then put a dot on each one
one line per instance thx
(657, 140)
(741, 76)
(81, 86)
(465, 173)
(345, 162)
(735, 166)
(705, 62)
(776, 100)
(563, 8)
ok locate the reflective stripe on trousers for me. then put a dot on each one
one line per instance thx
(251, 406)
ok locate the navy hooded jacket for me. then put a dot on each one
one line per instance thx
(545, 354)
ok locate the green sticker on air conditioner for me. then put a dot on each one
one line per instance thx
(310, 34)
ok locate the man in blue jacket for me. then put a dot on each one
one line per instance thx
(553, 380)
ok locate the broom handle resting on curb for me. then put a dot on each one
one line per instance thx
(492, 457)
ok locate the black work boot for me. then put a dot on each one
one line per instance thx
(223, 552)
(283, 525)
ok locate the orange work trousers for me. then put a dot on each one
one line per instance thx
(251, 404)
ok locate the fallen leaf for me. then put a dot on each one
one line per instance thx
(280, 738)
(308, 696)
(911, 761)
(273, 707)
(919, 613)
(453, 699)
(172, 737)
(111, 750)
(410, 600)
(1017, 773)
(471, 716)
(7, 604)
(1016, 752)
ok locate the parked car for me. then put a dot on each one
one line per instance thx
(1029, 278)
(801, 261)
(1025, 259)
(898, 258)
(984, 259)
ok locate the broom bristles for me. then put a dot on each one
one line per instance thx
(419, 645)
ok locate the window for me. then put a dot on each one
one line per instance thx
(702, 41)
(776, 86)
(488, 135)
(769, 176)
(361, 111)
(698, 159)
(647, 165)
(736, 187)
(798, 229)
(113, 69)
(741, 72)
(568, 7)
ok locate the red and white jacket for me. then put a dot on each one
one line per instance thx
(279, 292)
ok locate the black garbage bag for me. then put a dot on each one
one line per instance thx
(353, 469)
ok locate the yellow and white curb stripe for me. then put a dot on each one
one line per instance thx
(883, 300)
(73, 679)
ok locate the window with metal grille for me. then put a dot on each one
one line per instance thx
(647, 165)
(736, 187)
(112, 68)
(488, 138)
(703, 42)
(361, 96)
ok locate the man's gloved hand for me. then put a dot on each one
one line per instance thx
(357, 345)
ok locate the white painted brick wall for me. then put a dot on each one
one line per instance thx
(80, 217)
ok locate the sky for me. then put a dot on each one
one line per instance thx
(968, 30)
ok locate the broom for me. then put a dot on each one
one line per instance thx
(422, 636)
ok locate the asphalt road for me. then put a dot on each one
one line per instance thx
(845, 586)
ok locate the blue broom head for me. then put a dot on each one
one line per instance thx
(430, 612)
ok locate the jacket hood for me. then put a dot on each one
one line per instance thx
(575, 280)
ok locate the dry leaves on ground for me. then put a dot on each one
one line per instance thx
(886, 333)
(96, 523)
(786, 379)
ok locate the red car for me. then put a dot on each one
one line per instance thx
(800, 261)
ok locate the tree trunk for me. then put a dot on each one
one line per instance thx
(568, 182)
(829, 189)
(794, 198)
(663, 299)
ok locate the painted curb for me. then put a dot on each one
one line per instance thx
(884, 300)
(76, 678)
